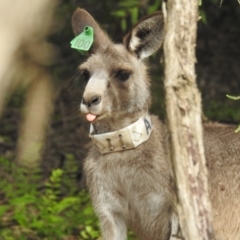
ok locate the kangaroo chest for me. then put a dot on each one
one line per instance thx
(129, 183)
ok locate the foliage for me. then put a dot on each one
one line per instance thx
(221, 111)
(31, 211)
(131, 10)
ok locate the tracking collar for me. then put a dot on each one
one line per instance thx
(124, 139)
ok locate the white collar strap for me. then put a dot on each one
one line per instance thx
(126, 138)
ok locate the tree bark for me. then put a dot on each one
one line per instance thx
(183, 106)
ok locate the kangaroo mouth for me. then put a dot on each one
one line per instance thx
(91, 117)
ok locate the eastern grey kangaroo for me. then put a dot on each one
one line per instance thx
(127, 169)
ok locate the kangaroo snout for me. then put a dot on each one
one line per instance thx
(91, 100)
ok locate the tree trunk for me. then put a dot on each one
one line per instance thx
(38, 109)
(183, 104)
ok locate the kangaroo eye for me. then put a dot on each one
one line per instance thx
(123, 75)
(86, 75)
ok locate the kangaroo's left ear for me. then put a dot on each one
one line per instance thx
(146, 36)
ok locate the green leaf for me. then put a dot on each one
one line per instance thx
(134, 15)
(238, 129)
(65, 203)
(23, 201)
(55, 219)
(123, 25)
(92, 232)
(119, 13)
(56, 175)
(128, 4)
(84, 235)
(153, 8)
(233, 97)
(203, 16)
(38, 224)
(88, 210)
(21, 218)
(3, 209)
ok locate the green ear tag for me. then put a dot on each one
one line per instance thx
(83, 41)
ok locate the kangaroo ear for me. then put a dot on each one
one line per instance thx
(81, 19)
(146, 36)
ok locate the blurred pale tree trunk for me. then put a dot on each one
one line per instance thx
(183, 104)
(37, 112)
(25, 55)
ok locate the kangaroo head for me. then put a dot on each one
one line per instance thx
(117, 83)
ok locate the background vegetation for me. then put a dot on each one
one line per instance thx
(50, 202)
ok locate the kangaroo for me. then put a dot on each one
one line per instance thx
(127, 169)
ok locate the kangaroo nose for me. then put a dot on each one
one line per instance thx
(94, 100)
